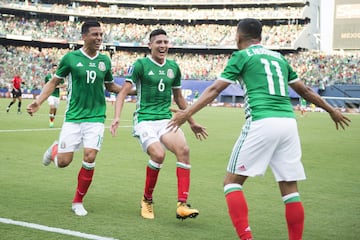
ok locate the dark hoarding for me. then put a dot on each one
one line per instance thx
(346, 24)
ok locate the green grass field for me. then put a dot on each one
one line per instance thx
(32, 193)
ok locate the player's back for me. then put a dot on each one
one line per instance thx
(266, 75)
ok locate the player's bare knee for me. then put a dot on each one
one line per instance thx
(62, 163)
(186, 150)
(234, 178)
(64, 159)
(90, 155)
(183, 152)
(158, 156)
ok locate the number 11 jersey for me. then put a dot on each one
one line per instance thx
(265, 75)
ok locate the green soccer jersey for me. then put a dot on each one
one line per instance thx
(265, 75)
(56, 92)
(303, 102)
(154, 84)
(86, 90)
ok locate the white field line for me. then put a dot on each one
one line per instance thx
(54, 230)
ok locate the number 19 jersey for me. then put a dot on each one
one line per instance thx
(265, 75)
(86, 91)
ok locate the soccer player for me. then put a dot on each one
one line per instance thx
(196, 96)
(303, 106)
(88, 72)
(54, 99)
(16, 92)
(269, 136)
(156, 79)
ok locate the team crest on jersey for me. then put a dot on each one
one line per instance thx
(170, 73)
(102, 66)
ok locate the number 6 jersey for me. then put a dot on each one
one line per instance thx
(154, 84)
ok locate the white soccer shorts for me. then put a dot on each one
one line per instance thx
(74, 136)
(267, 142)
(53, 101)
(149, 132)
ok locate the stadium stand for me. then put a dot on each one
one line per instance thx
(36, 33)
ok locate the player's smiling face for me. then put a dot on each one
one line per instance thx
(159, 46)
(93, 39)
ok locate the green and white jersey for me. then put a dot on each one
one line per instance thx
(56, 92)
(303, 102)
(86, 90)
(154, 84)
(265, 76)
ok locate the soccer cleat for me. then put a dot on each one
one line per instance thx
(147, 210)
(78, 209)
(7, 109)
(51, 124)
(184, 211)
(47, 157)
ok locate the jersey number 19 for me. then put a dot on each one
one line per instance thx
(90, 76)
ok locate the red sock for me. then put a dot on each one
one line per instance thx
(294, 213)
(84, 180)
(151, 179)
(238, 212)
(183, 178)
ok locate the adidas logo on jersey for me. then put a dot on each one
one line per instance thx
(79, 64)
(150, 73)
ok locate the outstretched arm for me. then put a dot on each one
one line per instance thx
(309, 95)
(113, 87)
(206, 97)
(119, 103)
(45, 93)
(199, 131)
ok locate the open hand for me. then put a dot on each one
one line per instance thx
(114, 126)
(32, 108)
(178, 119)
(199, 131)
(339, 119)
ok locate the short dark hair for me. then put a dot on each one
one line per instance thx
(157, 32)
(86, 25)
(250, 27)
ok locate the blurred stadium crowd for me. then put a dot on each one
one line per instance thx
(116, 11)
(312, 66)
(205, 35)
(32, 63)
